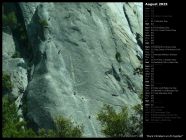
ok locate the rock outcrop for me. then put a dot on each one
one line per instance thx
(83, 55)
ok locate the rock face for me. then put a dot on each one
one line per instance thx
(84, 55)
(15, 67)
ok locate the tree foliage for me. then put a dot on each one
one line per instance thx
(10, 19)
(6, 83)
(13, 128)
(66, 128)
(121, 124)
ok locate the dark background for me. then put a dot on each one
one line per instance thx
(169, 75)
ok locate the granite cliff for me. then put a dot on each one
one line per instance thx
(73, 58)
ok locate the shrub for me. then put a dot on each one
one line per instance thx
(63, 128)
(43, 133)
(114, 124)
(120, 124)
(16, 55)
(10, 19)
(6, 83)
(43, 23)
(66, 128)
(12, 127)
(137, 120)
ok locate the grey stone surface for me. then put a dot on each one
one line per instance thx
(74, 69)
(16, 68)
(8, 45)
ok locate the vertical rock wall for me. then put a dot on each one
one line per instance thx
(84, 55)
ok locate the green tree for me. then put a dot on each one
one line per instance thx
(137, 118)
(12, 127)
(43, 133)
(66, 128)
(10, 19)
(119, 124)
(114, 124)
(6, 83)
